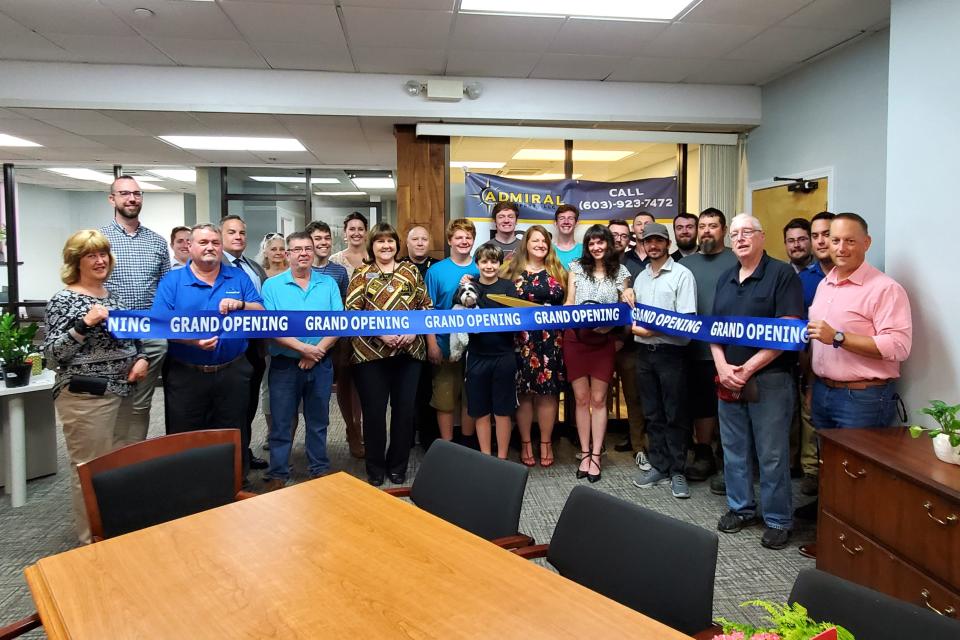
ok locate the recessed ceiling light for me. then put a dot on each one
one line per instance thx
(98, 176)
(233, 143)
(610, 9)
(544, 176)
(300, 179)
(373, 183)
(579, 155)
(13, 141)
(339, 193)
(182, 175)
(478, 165)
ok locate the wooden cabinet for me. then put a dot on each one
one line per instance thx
(890, 516)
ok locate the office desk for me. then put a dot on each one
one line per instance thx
(15, 442)
(329, 558)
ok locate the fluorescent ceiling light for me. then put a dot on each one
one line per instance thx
(13, 141)
(233, 143)
(579, 155)
(478, 165)
(373, 183)
(183, 175)
(300, 179)
(544, 176)
(616, 9)
(98, 176)
(148, 186)
(147, 178)
(339, 193)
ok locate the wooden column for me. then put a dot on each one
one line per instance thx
(422, 186)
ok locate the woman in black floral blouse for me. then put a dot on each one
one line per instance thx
(95, 371)
(539, 278)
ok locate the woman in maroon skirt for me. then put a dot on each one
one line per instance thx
(597, 277)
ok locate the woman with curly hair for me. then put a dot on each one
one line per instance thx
(539, 277)
(598, 278)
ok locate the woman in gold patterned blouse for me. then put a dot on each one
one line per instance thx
(387, 367)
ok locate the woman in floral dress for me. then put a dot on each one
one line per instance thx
(539, 278)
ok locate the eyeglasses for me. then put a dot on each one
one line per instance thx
(743, 233)
(620, 236)
(127, 194)
(300, 249)
(271, 236)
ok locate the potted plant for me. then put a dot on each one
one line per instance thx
(946, 438)
(783, 622)
(16, 342)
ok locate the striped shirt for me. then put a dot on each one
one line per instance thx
(374, 290)
(142, 259)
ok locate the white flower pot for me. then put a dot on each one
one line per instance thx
(943, 450)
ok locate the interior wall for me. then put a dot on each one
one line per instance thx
(924, 93)
(832, 113)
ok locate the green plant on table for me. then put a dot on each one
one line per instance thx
(946, 417)
(16, 342)
(784, 622)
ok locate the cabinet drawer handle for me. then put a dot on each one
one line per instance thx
(951, 519)
(855, 475)
(857, 549)
(925, 596)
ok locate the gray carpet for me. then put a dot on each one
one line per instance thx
(745, 570)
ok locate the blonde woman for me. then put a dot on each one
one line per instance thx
(273, 254)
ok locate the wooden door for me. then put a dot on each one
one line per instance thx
(776, 206)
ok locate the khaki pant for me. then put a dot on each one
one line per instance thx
(135, 429)
(90, 429)
(625, 365)
(809, 450)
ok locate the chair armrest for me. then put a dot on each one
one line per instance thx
(708, 633)
(513, 542)
(399, 492)
(20, 627)
(529, 553)
(243, 495)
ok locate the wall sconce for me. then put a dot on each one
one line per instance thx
(444, 90)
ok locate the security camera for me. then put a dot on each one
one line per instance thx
(803, 186)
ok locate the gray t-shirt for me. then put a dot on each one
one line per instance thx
(707, 270)
(508, 248)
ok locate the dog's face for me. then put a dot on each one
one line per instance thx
(466, 295)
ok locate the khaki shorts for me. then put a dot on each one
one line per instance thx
(447, 386)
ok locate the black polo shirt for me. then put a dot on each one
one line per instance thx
(773, 290)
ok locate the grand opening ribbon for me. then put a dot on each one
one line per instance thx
(769, 333)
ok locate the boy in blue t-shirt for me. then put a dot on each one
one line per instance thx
(442, 281)
(491, 360)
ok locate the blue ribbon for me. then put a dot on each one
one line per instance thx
(770, 333)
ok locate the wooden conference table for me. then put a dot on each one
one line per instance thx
(329, 558)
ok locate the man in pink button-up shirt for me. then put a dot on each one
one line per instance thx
(860, 331)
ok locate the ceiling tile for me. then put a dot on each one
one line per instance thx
(642, 69)
(496, 64)
(288, 157)
(699, 40)
(238, 158)
(116, 49)
(568, 66)
(504, 33)
(19, 43)
(67, 141)
(738, 71)
(435, 5)
(296, 55)
(763, 13)
(78, 121)
(604, 37)
(378, 130)
(370, 27)
(408, 61)
(87, 17)
(794, 45)
(158, 123)
(314, 130)
(841, 14)
(286, 23)
(203, 20)
(210, 53)
(242, 124)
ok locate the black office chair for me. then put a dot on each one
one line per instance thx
(161, 479)
(671, 580)
(476, 492)
(868, 614)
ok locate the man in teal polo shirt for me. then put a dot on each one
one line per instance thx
(299, 367)
(206, 381)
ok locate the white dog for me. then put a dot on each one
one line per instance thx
(465, 297)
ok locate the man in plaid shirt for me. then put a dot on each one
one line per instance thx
(142, 259)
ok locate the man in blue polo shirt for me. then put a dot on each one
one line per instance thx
(206, 381)
(299, 367)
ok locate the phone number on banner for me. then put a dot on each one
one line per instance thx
(591, 205)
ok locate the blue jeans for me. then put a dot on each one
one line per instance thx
(851, 408)
(763, 426)
(289, 384)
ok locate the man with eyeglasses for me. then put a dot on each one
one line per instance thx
(758, 390)
(796, 242)
(142, 259)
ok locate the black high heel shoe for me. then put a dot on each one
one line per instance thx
(591, 477)
(581, 474)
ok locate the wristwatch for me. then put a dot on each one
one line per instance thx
(838, 339)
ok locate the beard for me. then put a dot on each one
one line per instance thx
(687, 245)
(708, 245)
(130, 212)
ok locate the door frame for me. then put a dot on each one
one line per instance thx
(826, 172)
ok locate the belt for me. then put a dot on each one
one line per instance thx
(208, 368)
(855, 384)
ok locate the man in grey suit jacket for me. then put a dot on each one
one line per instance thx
(234, 232)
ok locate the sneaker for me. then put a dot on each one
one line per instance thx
(678, 486)
(718, 486)
(775, 538)
(651, 478)
(643, 461)
(810, 485)
(733, 522)
(702, 466)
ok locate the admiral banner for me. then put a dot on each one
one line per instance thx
(537, 200)
(770, 333)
